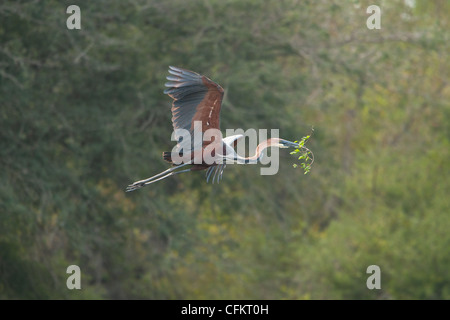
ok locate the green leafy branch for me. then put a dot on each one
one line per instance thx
(306, 156)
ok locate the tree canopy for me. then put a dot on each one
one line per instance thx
(83, 114)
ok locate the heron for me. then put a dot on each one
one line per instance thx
(198, 99)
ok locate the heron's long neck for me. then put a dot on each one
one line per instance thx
(259, 154)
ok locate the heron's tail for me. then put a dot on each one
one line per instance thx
(167, 156)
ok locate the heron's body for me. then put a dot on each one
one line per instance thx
(196, 106)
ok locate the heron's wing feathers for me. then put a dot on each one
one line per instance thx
(196, 98)
(232, 140)
(217, 170)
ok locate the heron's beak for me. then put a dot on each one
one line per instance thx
(288, 144)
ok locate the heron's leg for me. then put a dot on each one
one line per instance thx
(168, 175)
(138, 186)
(145, 181)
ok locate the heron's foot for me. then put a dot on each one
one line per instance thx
(134, 186)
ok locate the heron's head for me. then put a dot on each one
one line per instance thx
(286, 144)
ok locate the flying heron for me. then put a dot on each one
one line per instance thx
(197, 100)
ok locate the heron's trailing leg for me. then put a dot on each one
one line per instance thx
(167, 173)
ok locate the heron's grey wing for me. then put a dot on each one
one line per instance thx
(196, 98)
(232, 140)
(217, 170)
(209, 172)
(230, 144)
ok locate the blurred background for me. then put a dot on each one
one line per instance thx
(83, 114)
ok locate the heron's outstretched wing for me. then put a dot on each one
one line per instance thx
(196, 98)
(230, 143)
(232, 140)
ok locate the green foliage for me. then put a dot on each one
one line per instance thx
(306, 156)
(83, 114)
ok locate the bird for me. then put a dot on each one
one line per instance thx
(196, 105)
